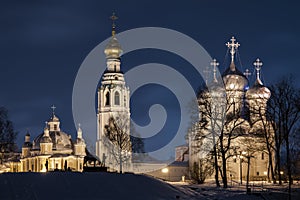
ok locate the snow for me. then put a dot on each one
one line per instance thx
(112, 186)
(70, 185)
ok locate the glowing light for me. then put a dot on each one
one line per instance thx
(281, 172)
(165, 170)
(265, 173)
(231, 86)
(43, 170)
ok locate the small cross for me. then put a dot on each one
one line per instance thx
(113, 19)
(79, 125)
(46, 124)
(232, 46)
(214, 63)
(247, 73)
(53, 109)
(258, 64)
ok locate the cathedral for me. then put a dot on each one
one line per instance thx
(52, 150)
(232, 113)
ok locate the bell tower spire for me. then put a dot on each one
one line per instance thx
(113, 97)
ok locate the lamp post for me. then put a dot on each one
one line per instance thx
(240, 157)
(248, 171)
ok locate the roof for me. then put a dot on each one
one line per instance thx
(59, 139)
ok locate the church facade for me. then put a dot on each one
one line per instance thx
(230, 108)
(50, 151)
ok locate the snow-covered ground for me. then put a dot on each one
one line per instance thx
(70, 185)
(111, 186)
(235, 191)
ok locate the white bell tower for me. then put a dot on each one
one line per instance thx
(113, 96)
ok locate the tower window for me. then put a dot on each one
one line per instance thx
(262, 156)
(107, 99)
(55, 127)
(117, 98)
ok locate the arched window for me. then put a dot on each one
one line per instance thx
(107, 99)
(117, 98)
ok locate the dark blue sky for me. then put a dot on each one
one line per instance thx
(43, 44)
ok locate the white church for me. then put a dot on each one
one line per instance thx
(239, 112)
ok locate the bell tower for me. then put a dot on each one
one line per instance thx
(113, 96)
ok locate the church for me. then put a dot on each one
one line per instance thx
(233, 113)
(113, 104)
(52, 150)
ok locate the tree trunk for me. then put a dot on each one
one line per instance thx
(216, 167)
(120, 161)
(248, 172)
(224, 170)
(278, 166)
(271, 168)
(288, 162)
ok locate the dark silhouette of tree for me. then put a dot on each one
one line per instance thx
(7, 133)
(284, 111)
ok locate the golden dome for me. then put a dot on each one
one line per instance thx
(258, 91)
(113, 48)
(234, 79)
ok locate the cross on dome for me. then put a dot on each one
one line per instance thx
(257, 64)
(113, 19)
(247, 73)
(232, 46)
(53, 109)
(215, 64)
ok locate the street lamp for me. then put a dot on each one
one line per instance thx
(165, 171)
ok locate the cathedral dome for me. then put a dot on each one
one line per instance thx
(113, 48)
(54, 118)
(59, 139)
(234, 79)
(258, 90)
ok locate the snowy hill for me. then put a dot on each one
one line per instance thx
(68, 185)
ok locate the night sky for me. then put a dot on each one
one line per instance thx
(43, 44)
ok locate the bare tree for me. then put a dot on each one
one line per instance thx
(117, 131)
(295, 152)
(220, 122)
(263, 127)
(284, 109)
(7, 134)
